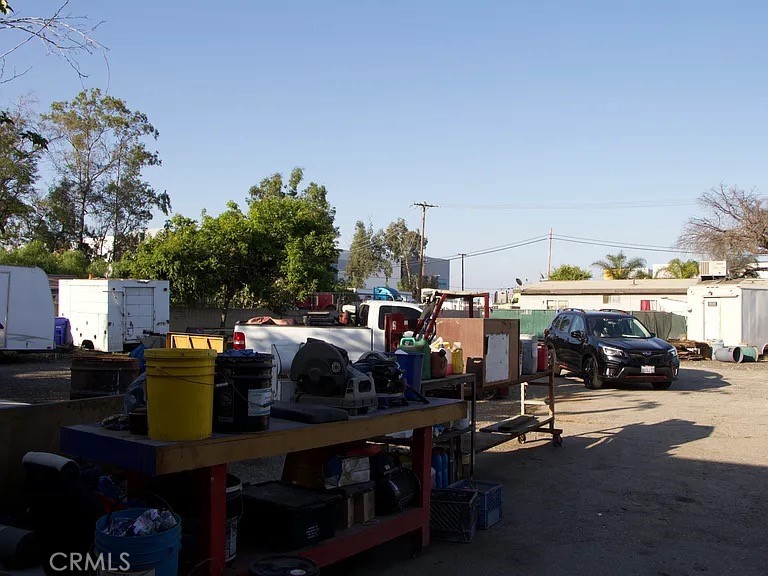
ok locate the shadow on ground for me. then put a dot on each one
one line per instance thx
(611, 501)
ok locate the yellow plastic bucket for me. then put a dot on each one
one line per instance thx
(180, 393)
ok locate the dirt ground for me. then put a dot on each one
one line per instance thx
(663, 483)
(34, 378)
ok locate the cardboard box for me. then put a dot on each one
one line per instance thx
(353, 470)
(365, 507)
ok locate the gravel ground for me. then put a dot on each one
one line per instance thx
(34, 378)
(665, 483)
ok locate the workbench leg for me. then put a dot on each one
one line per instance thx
(213, 497)
(422, 467)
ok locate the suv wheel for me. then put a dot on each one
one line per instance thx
(661, 385)
(591, 375)
(556, 370)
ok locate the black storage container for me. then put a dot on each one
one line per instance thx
(286, 517)
(242, 395)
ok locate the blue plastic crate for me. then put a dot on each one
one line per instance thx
(491, 496)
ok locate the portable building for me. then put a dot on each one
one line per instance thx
(26, 309)
(110, 314)
(734, 311)
(652, 295)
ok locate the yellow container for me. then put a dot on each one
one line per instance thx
(180, 393)
(457, 358)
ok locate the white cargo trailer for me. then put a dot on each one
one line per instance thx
(734, 311)
(109, 315)
(26, 309)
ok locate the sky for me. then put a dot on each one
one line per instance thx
(601, 120)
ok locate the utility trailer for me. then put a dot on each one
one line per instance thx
(111, 315)
(26, 309)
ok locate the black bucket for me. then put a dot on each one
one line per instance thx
(234, 513)
(284, 566)
(242, 395)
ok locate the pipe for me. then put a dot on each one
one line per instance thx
(749, 353)
(729, 354)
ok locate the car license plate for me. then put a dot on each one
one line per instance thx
(647, 369)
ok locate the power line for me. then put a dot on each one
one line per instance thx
(623, 245)
(617, 205)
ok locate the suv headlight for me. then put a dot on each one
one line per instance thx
(611, 351)
(672, 352)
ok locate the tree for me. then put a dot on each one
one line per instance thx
(35, 253)
(735, 227)
(299, 234)
(402, 246)
(279, 250)
(570, 272)
(619, 267)
(676, 268)
(99, 149)
(62, 33)
(367, 256)
(20, 149)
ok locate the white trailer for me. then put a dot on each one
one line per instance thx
(734, 311)
(108, 314)
(26, 309)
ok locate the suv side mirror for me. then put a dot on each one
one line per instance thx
(653, 334)
(577, 334)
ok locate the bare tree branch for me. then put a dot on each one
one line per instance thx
(735, 227)
(62, 34)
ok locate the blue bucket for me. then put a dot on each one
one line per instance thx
(159, 551)
(411, 364)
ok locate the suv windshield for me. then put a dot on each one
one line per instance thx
(614, 327)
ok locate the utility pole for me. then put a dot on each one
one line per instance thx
(462, 254)
(549, 255)
(423, 206)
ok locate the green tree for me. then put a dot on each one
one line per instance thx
(279, 250)
(570, 272)
(678, 268)
(35, 253)
(619, 267)
(402, 246)
(100, 152)
(367, 256)
(20, 150)
(177, 254)
(299, 235)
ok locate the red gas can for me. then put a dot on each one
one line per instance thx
(542, 358)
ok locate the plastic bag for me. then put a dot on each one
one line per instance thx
(134, 396)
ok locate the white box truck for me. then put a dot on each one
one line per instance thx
(26, 309)
(110, 314)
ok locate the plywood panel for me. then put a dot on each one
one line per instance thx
(472, 332)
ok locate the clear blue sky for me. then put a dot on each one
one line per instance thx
(454, 103)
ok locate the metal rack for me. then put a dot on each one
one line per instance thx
(458, 383)
(523, 423)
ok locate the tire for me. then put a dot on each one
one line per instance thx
(661, 385)
(556, 370)
(592, 379)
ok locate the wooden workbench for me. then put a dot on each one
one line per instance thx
(208, 458)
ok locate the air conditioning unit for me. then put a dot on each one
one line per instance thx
(713, 269)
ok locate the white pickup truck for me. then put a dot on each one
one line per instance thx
(366, 334)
